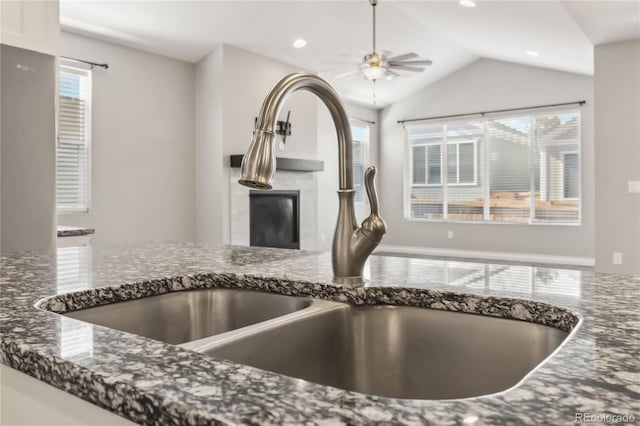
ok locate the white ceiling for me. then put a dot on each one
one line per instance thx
(563, 32)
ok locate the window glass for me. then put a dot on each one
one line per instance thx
(570, 175)
(452, 163)
(557, 167)
(467, 163)
(74, 131)
(425, 193)
(434, 169)
(419, 164)
(509, 171)
(465, 191)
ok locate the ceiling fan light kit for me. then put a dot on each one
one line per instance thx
(375, 64)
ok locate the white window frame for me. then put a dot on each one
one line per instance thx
(443, 156)
(73, 67)
(408, 169)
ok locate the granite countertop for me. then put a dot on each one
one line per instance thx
(74, 231)
(597, 371)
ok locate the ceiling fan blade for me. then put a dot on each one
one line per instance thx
(347, 62)
(342, 68)
(347, 74)
(403, 57)
(420, 62)
(392, 73)
(404, 68)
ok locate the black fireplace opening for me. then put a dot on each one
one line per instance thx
(274, 219)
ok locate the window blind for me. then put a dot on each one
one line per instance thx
(465, 182)
(74, 130)
(509, 171)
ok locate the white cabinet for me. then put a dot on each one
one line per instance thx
(30, 402)
(31, 25)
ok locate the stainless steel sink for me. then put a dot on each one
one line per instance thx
(189, 315)
(400, 352)
(391, 351)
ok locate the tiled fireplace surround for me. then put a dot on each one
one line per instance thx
(306, 183)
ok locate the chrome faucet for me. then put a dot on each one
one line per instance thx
(352, 245)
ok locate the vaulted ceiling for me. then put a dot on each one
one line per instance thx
(452, 36)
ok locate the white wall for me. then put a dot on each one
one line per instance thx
(486, 85)
(617, 132)
(208, 162)
(142, 145)
(235, 82)
(26, 401)
(31, 24)
(328, 179)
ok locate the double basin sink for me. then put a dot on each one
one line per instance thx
(390, 351)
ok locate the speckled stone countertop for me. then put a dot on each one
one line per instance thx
(74, 231)
(597, 371)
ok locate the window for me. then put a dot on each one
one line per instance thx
(522, 169)
(360, 136)
(74, 140)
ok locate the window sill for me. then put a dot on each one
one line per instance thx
(487, 222)
(72, 211)
(439, 185)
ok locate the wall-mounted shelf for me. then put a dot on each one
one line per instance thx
(288, 164)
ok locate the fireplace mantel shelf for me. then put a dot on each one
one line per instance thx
(289, 164)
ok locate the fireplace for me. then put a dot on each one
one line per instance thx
(274, 219)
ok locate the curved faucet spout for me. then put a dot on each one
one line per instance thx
(268, 116)
(352, 245)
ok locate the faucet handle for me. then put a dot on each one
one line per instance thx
(372, 227)
(370, 186)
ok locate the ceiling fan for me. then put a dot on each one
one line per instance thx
(377, 64)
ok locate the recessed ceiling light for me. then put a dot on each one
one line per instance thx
(299, 43)
(467, 3)
(533, 53)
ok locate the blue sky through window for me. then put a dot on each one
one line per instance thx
(358, 133)
(69, 84)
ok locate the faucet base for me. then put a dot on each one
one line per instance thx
(354, 281)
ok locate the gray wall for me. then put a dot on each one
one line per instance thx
(486, 85)
(27, 150)
(617, 132)
(231, 84)
(209, 212)
(142, 147)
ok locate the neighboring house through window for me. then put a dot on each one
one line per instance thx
(523, 168)
(74, 139)
(570, 175)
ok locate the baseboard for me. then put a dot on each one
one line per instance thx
(490, 255)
